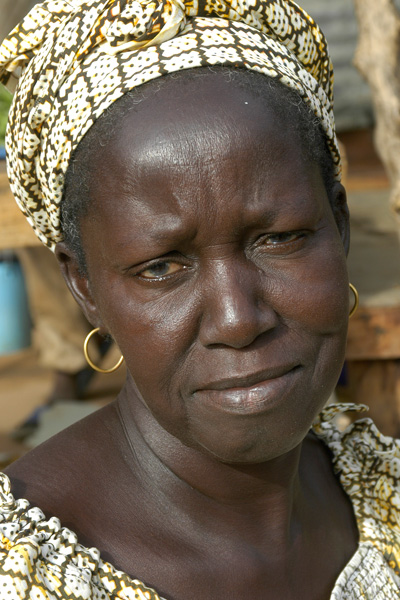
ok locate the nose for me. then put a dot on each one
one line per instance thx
(236, 309)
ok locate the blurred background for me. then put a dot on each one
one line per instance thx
(44, 382)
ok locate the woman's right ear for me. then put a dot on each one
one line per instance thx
(77, 282)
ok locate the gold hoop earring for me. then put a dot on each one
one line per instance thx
(89, 360)
(356, 300)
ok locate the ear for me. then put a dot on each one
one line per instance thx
(78, 283)
(341, 214)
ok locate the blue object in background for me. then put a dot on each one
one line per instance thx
(15, 323)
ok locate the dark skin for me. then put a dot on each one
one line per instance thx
(221, 274)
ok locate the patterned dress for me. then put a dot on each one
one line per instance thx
(40, 560)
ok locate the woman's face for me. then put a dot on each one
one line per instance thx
(216, 264)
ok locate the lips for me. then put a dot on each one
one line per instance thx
(247, 381)
(251, 393)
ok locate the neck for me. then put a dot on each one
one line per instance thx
(268, 492)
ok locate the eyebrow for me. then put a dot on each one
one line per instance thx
(159, 232)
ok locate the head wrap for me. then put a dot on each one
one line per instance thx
(73, 58)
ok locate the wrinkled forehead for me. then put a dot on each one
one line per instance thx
(192, 139)
(204, 111)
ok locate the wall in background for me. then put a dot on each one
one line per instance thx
(353, 108)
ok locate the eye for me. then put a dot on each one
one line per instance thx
(160, 270)
(282, 242)
(282, 238)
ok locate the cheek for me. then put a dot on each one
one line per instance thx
(324, 295)
(316, 295)
(314, 306)
(155, 336)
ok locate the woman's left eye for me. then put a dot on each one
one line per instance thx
(160, 270)
(281, 243)
(274, 239)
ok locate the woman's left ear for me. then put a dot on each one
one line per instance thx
(341, 214)
(77, 282)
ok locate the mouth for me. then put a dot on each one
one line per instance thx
(249, 394)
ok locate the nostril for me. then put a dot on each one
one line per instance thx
(234, 323)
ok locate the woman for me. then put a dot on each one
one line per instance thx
(199, 220)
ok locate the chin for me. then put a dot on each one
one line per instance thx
(254, 445)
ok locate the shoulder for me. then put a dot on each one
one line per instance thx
(41, 559)
(61, 474)
(367, 464)
(65, 477)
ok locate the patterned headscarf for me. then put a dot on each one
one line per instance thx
(73, 58)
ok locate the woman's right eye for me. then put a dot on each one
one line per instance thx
(160, 270)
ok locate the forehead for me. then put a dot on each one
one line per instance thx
(200, 100)
(201, 146)
(198, 118)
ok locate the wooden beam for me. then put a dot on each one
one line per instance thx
(374, 334)
(15, 232)
(377, 384)
(378, 59)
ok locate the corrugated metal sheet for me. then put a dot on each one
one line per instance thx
(337, 19)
